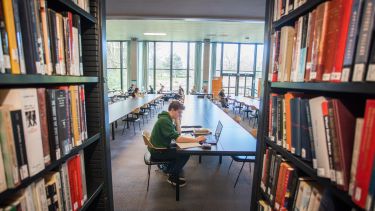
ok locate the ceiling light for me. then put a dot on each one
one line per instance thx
(155, 33)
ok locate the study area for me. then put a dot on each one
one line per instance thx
(254, 105)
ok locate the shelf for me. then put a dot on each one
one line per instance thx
(347, 87)
(31, 79)
(69, 5)
(92, 197)
(308, 170)
(295, 14)
(26, 182)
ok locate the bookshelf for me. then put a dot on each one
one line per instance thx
(96, 147)
(346, 91)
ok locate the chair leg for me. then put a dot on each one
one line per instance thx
(220, 159)
(139, 125)
(230, 165)
(239, 173)
(123, 129)
(200, 158)
(148, 178)
(134, 127)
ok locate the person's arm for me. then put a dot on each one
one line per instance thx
(189, 139)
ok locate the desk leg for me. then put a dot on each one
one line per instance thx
(200, 158)
(178, 185)
(220, 159)
(113, 131)
(115, 124)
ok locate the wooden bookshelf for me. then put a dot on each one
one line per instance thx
(55, 164)
(28, 79)
(96, 147)
(361, 90)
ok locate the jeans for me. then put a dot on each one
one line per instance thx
(175, 165)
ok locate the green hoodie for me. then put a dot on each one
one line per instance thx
(164, 131)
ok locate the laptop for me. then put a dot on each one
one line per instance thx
(214, 138)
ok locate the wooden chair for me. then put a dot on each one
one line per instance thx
(149, 161)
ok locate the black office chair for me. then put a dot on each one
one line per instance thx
(243, 159)
(149, 161)
(131, 118)
(237, 106)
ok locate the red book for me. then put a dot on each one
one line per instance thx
(280, 186)
(310, 35)
(285, 195)
(276, 52)
(44, 124)
(366, 156)
(73, 181)
(265, 170)
(341, 40)
(344, 122)
(77, 159)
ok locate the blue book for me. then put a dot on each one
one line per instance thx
(295, 109)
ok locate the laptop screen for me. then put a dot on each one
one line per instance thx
(219, 128)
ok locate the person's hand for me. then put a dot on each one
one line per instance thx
(200, 138)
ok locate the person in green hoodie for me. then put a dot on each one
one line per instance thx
(166, 129)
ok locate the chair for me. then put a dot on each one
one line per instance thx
(133, 118)
(253, 115)
(149, 161)
(237, 105)
(243, 160)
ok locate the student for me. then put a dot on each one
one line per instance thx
(166, 129)
(131, 89)
(136, 93)
(161, 90)
(205, 89)
(151, 91)
(181, 93)
(193, 90)
(223, 99)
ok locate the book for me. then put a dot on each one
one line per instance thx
(309, 44)
(364, 41)
(83, 176)
(366, 156)
(17, 24)
(27, 100)
(295, 109)
(371, 67)
(65, 186)
(320, 142)
(285, 57)
(304, 131)
(311, 136)
(74, 106)
(75, 181)
(12, 40)
(44, 124)
(3, 183)
(45, 35)
(352, 40)
(53, 127)
(6, 68)
(39, 195)
(328, 139)
(355, 154)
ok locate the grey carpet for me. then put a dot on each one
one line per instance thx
(209, 186)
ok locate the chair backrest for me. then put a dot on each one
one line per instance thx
(147, 140)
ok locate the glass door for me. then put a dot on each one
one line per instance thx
(229, 83)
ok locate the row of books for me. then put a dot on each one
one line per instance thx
(284, 7)
(324, 131)
(84, 4)
(285, 189)
(38, 40)
(64, 189)
(37, 126)
(333, 43)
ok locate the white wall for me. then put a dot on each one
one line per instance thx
(215, 9)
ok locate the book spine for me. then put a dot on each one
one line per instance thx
(41, 67)
(309, 44)
(19, 140)
(264, 170)
(4, 43)
(354, 163)
(305, 137)
(17, 24)
(3, 180)
(83, 106)
(302, 57)
(338, 168)
(371, 67)
(328, 139)
(53, 129)
(311, 137)
(284, 145)
(11, 30)
(54, 42)
(279, 188)
(365, 36)
(44, 124)
(63, 121)
(275, 178)
(279, 136)
(83, 177)
(45, 35)
(351, 40)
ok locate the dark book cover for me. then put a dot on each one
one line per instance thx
(19, 141)
(304, 131)
(18, 28)
(68, 40)
(275, 178)
(53, 125)
(351, 40)
(77, 24)
(371, 67)
(279, 111)
(311, 137)
(44, 124)
(271, 172)
(63, 120)
(364, 41)
(53, 39)
(4, 42)
(332, 174)
(274, 118)
(295, 108)
(291, 189)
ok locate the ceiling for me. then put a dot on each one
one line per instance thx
(187, 30)
(208, 9)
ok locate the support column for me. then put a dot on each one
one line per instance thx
(133, 61)
(206, 63)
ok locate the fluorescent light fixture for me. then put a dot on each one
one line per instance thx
(155, 34)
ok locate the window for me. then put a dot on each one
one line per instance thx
(230, 54)
(240, 65)
(179, 65)
(117, 65)
(151, 64)
(163, 64)
(191, 65)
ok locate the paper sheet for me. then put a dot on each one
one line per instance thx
(187, 145)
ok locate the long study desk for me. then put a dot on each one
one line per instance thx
(122, 108)
(234, 139)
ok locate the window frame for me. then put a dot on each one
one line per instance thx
(122, 68)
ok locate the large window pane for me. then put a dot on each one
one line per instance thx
(114, 79)
(247, 58)
(125, 66)
(259, 64)
(230, 55)
(179, 64)
(218, 59)
(151, 64)
(241, 86)
(163, 61)
(191, 65)
(113, 55)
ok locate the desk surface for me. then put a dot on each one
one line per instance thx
(246, 100)
(234, 139)
(121, 108)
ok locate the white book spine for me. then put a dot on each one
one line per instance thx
(357, 143)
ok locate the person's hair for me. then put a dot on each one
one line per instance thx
(176, 105)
